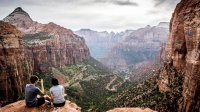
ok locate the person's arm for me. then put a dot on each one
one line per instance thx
(63, 92)
(42, 87)
(51, 96)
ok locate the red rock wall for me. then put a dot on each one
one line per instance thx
(14, 68)
(66, 48)
(184, 52)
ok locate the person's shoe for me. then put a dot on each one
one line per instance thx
(47, 102)
(56, 109)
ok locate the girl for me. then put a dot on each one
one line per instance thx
(57, 93)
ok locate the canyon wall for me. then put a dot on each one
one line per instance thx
(138, 48)
(126, 50)
(14, 68)
(101, 42)
(183, 54)
(48, 45)
(28, 47)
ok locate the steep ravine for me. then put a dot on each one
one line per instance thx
(176, 86)
(178, 80)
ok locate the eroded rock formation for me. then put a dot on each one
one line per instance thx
(33, 48)
(138, 48)
(14, 68)
(101, 42)
(184, 53)
(48, 45)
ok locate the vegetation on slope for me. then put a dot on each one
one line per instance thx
(85, 83)
(146, 94)
(32, 39)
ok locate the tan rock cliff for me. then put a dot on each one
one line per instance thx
(14, 68)
(184, 53)
(63, 48)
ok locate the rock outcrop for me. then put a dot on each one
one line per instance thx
(184, 54)
(48, 45)
(14, 68)
(131, 110)
(21, 107)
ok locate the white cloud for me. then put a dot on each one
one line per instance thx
(108, 15)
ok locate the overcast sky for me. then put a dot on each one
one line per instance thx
(110, 15)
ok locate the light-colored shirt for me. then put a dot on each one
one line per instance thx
(58, 94)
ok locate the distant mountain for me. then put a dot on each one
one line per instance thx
(163, 25)
(48, 45)
(137, 48)
(100, 42)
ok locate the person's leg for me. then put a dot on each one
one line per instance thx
(62, 104)
(59, 104)
(46, 97)
(40, 101)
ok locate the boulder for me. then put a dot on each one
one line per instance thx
(131, 110)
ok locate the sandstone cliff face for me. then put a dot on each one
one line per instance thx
(184, 53)
(61, 48)
(14, 68)
(101, 42)
(137, 48)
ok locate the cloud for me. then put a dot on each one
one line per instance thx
(169, 3)
(94, 14)
(159, 2)
(125, 3)
(161, 6)
(119, 2)
(83, 2)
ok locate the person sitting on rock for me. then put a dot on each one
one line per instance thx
(32, 92)
(57, 93)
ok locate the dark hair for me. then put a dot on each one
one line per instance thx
(33, 79)
(54, 81)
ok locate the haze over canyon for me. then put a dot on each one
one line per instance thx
(109, 55)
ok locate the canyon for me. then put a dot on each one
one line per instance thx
(138, 48)
(128, 50)
(100, 43)
(175, 87)
(49, 50)
(29, 47)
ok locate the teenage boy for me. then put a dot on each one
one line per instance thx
(31, 93)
